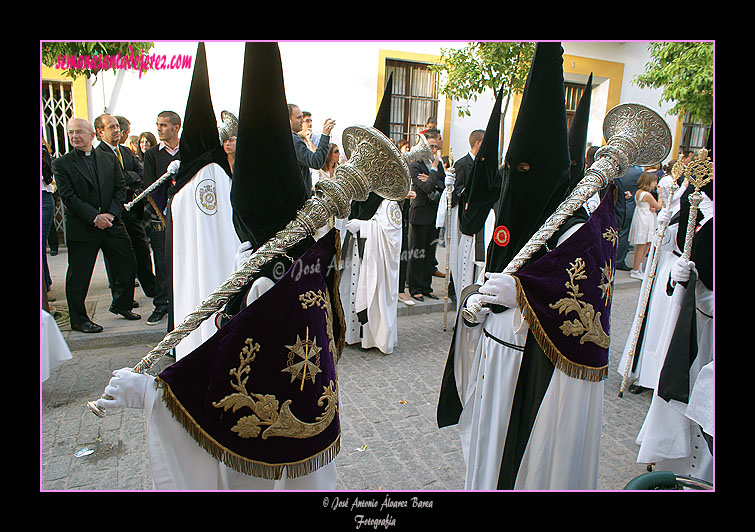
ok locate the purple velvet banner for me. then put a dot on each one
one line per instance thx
(263, 389)
(567, 295)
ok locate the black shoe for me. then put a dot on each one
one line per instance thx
(623, 266)
(125, 313)
(135, 305)
(635, 389)
(87, 327)
(418, 297)
(431, 296)
(156, 316)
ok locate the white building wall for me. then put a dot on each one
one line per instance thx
(336, 80)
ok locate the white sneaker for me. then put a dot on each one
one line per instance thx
(636, 275)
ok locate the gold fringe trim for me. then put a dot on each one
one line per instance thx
(234, 460)
(336, 297)
(563, 364)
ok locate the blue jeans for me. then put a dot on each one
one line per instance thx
(48, 212)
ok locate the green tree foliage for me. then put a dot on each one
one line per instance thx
(484, 65)
(684, 70)
(99, 55)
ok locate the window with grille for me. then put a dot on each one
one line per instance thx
(415, 98)
(573, 93)
(694, 134)
(57, 108)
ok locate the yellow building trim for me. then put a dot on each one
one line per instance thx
(79, 90)
(599, 68)
(417, 58)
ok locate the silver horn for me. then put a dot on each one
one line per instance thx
(420, 152)
(636, 135)
(374, 165)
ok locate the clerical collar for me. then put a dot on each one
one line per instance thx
(163, 146)
(84, 153)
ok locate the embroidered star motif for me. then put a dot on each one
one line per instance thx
(307, 351)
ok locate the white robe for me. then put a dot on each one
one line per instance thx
(53, 347)
(204, 247)
(648, 359)
(461, 249)
(177, 462)
(564, 446)
(669, 437)
(660, 309)
(371, 283)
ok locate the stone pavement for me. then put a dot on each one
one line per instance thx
(390, 440)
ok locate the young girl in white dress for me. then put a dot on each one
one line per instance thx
(642, 230)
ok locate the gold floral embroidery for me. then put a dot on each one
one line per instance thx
(612, 235)
(266, 413)
(320, 299)
(588, 325)
(606, 281)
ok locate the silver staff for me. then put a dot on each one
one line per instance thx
(636, 135)
(449, 189)
(676, 172)
(374, 164)
(172, 170)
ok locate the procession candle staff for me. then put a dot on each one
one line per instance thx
(636, 135)
(698, 173)
(449, 188)
(676, 172)
(374, 164)
(173, 168)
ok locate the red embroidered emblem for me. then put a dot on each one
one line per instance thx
(501, 236)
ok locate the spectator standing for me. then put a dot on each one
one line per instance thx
(146, 141)
(156, 161)
(108, 129)
(307, 158)
(92, 189)
(642, 231)
(427, 178)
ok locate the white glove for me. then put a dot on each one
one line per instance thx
(352, 226)
(174, 166)
(242, 253)
(664, 217)
(680, 270)
(450, 177)
(483, 312)
(499, 289)
(127, 389)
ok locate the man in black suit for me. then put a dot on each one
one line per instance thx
(108, 130)
(428, 181)
(92, 189)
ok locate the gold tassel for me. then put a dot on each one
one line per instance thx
(563, 364)
(236, 461)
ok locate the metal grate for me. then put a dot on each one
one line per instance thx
(415, 98)
(57, 108)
